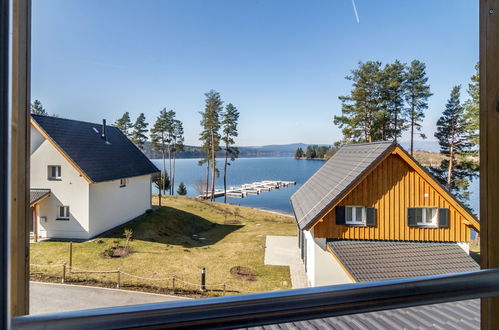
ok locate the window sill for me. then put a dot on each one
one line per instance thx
(54, 179)
(62, 219)
(355, 224)
(122, 186)
(426, 226)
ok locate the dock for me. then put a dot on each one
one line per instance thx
(255, 188)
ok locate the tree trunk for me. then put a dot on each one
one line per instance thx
(412, 133)
(173, 171)
(163, 176)
(212, 166)
(207, 178)
(225, 172)
(451, 161)
(170, 163)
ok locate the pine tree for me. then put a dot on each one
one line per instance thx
(38, 109)
(472, 109)
(162, 183)
(178, 145)
(311, 152)
(454, 142)
(360, 110)
(229, 131)
(124, 124)
(210, 135)
(182, 190)
(417, 92)
(161, 136)
(138, 135)
(393, 97)
(299, 153)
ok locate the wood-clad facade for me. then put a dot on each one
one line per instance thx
(394, 185)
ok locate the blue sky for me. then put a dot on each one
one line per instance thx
(281, 62)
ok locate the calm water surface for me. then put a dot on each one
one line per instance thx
(249, 170)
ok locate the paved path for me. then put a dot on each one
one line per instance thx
(52, 298)
(283, 251)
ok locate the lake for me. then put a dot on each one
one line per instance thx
(249, 170)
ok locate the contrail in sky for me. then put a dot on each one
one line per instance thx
(355, 11)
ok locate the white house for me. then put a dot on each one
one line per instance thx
(85, 178)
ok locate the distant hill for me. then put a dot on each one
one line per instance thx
(275, 150)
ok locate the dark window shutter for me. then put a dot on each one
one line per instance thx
(411, 217)
(443, 218)
(370, 216)
(340, 215)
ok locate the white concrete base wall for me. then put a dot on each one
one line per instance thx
(322, 267)
(111, 206)
(465, 246)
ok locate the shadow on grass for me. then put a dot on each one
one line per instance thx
(176, 227)
(476, 256)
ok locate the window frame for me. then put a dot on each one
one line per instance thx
(424, 223)
(58, 169)
(67, 214)
(355, 210)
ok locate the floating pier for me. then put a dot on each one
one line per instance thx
(254, 188)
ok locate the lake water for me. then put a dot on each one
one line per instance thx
(249, 170)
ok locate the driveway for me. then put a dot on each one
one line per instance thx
(283, 251)
(53, 298)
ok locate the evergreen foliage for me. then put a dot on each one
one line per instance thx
(182, 190)
(161, 135)
(38, 109)
(178, 145)
(472, 108)
(138, 134)
(124, 124)
(210, 135)
(454, 140)
(299, 153)
(417, 95)
(229, 131)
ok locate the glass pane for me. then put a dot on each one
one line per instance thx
(358, 214)
(349, 211)
(419, 215)
(430, 214)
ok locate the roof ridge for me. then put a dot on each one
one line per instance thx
(346, 145)
(73, 120)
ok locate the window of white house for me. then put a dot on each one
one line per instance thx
(63, 213)
(426, 216)
(54, 172)
(122, 183)
(355, 215)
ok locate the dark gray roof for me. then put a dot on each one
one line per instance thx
(36, 194)
(334, 178)
(376, 261)
(454, 315)
(98, 160)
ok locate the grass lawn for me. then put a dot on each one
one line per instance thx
(178, 239)
(475, 251)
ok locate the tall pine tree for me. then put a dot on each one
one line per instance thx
(417, 92)
(178, 145)
(472, 109)
(161, 136)
(124, 124)
(210, 135)
(38, 109)
(138, 135)
(393, 100)
(229, 129)
(454, 141)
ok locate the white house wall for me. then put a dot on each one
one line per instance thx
(111, 205)
(322, 267)
(72, 190)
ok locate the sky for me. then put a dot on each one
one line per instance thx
(282, 63)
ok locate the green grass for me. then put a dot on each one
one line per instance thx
(475, 251)
(179, 239)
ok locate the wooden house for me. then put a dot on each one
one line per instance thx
(373, 203)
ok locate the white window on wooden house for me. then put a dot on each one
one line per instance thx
(63, 213)
(122, 183)
(428, 217)
(54, 172)
(356, 216)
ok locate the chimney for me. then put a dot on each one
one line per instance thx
(104, 129)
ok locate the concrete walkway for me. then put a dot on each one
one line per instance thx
(283, 251)
(53, 298)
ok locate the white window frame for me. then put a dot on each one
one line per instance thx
(58, 171)
(123, 183)
(66, 212)
(355, 210)
(423, 222)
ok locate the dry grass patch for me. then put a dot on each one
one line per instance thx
(180, 239)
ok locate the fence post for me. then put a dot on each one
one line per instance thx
(63, 273)
(118, 278)
(224, 287)
(173, 284)
(203, 279)
(70, 255)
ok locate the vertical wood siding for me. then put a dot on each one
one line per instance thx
(391, 188)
